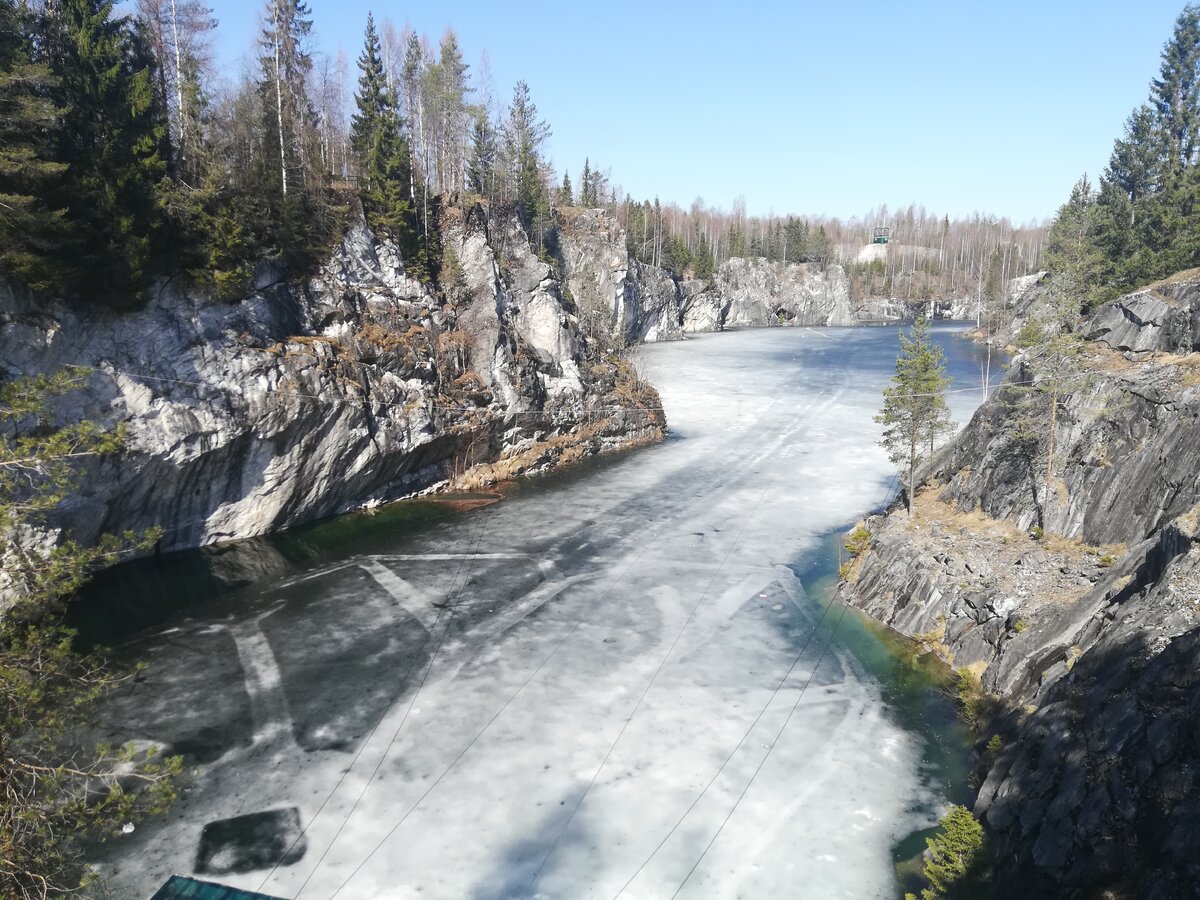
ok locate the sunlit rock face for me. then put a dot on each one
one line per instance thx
(638, 302)
(758, 292)
(633, 301)
(299, 401)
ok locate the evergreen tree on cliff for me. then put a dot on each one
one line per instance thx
(113, 141)
(1146, 221)
(524, 136)
(55, 795)
(914, 412)
(298, 215)
(481, 166)
(378, 143)
(30, 226)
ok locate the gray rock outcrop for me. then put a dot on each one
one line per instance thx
(1164, 318)
(638, 302)
(302, 401)
(757, 292)
(1091, 637)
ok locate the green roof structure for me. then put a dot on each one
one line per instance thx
(180, 888)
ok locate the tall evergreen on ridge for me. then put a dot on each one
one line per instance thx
(1144, 221)
(378, 143)
(30, 226)
(372, 95)
(481, 166)
(524, 135)
(289, 168)
(113, 141)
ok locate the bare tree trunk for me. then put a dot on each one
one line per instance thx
(279, 105)
(1050, 458)
(180, 111)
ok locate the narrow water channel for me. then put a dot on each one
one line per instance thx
(625, 680)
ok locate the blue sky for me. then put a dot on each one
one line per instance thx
(813, 108)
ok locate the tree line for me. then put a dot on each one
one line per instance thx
(1141, 221)
(125, 160)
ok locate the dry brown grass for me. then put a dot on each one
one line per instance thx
(1001, 544)
(1178, 278)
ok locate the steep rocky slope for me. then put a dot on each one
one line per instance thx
(639, 302)
(1090, 637)
(301, 401)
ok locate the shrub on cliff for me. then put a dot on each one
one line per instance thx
(955, 857)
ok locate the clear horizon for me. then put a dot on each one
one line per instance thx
(798, 108)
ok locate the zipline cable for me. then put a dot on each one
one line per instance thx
(766, 755)
(646, 546)
(662, 664)
(452, 604)
(687, 812)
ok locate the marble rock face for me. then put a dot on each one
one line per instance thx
(303, 400)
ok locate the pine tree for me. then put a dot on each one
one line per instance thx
(481, 167)
(113, 141)
(914, 412)
(564, 193)
(30, 227)
(524, 136)
(370, 99)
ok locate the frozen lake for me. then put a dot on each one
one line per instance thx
(617, 682)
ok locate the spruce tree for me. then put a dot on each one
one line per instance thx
(113, 142)
(30, 227)
(587, 195)
(564, 193)
(914, 412)
(481, 167)
(370, 99)
(524, 135)
(384, 164)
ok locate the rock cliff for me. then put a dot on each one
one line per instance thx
(304, 400)
(758, 292)
(639, 302)
(1090, 634)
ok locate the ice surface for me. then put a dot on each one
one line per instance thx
(526, 701)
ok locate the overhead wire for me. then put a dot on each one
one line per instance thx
(762, 762)
(448, 612)
(662, 664)
(758, 718)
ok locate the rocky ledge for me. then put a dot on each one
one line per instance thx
(304, 400)
(1088, 633)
